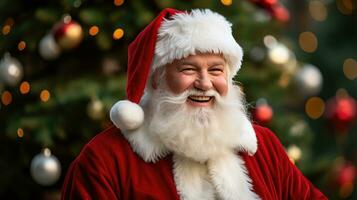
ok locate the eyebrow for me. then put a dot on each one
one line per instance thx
(213, 63)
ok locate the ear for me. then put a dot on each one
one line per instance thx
(155, 79)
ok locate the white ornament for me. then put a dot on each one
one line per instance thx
(45, 168)
(127, 115)
(279, 54)
(11, 70)
(48, 48)
(308, 80)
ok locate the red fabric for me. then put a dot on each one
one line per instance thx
(107, 168)
(140, 56)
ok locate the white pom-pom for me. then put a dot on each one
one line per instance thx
(127, 115)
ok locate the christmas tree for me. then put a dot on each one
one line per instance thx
(63, 66)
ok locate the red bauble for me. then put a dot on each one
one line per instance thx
(280, 13)
(263, 114)
(68, 34)
(341, 111)
(345, 174)
(274, 8)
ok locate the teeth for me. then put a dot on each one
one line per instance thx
(200, 98)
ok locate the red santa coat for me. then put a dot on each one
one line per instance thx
(108, 168)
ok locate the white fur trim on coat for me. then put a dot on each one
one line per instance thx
(197, 31)
(223, 178)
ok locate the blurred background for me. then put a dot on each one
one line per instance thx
(63, 64)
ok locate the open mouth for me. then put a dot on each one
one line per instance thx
(200, 99)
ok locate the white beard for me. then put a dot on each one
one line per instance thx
(204, 142)
(201, 133)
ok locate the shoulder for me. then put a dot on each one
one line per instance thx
(106, 147)
(268, 141)
(264, 134)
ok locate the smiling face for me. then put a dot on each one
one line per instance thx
(203, 72)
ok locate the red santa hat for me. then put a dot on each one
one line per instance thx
(173, 34)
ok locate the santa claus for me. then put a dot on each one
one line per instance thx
(184, 132)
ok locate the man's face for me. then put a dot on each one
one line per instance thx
(201, 72)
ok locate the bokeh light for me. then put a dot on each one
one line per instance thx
(315, 107)
(269, 41)
(93, 30)
(25, 87)
(6, 98)
(118, 33)
(20, 132)
(279, 54)
(350, 68)
(118, 2)
(345, 6)
(226, 2)
(6, 29)
(45, 95)
(308, 41)
(318, 10)
(9, 21)
(21, 46)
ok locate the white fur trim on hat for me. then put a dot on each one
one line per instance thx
(127, 115)
(196, 31)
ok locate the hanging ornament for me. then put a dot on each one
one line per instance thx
(308, 80)
(11, 70)
(48, 48)
(274, 8)
(95, 109)
(341, 111)
(45, 168)
(280, 55)
(344, 177)
(262, 113)
(68, 33)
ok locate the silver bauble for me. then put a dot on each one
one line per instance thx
(308, 80)
(48, 48)
(11, 70)
(45, 168)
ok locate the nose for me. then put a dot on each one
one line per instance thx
(203, 82)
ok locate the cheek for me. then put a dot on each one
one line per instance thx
(221, 86)
(178, 83)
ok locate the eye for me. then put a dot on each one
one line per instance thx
(187, 69)
(217, 70)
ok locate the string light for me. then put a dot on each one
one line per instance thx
(20, 132)
(93, 31)
(226, 2)
(314, 107)
(21, 46)
(6, 29)
(118, 2)
(350, 68)
(25, 87)
(6, 98)
(45, 95)
(318, 10)
(308, 41)
(118, 33)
